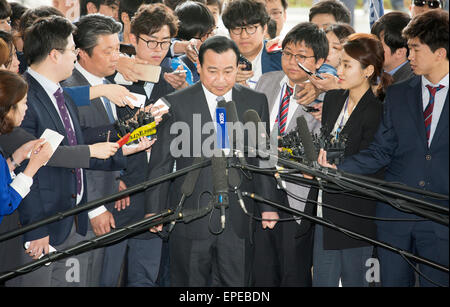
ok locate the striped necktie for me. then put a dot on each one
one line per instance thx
(428, 113)
(284, 110)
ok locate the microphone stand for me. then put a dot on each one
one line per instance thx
(324, 222)
(113, 236)
(96, 203)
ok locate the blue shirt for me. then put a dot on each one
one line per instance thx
(9, 198)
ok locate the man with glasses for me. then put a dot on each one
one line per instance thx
(277, 10)
(246, 21)
(421, 6)
(292, 252)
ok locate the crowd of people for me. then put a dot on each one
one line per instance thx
(384, 92)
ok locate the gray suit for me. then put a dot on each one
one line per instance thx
(98, 183)
(294, 241)
(404, 73)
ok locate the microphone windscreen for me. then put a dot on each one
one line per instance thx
(251, 116)
(221, 103)
(219, 174)
(307, 140)
(191, 178)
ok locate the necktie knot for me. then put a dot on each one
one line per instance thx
(434, 89)
(289, 91)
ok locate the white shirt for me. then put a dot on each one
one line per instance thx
(293, 105)
(21, 183)
(211, 100)
(93, 81)
(257, 70)
(439, 101)
(50, 88)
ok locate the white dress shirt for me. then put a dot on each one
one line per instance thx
(293, 105)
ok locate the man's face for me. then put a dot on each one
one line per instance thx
(276, 12)
(156, 55)
(335, 49)
(323, 20)
(109, 10)
(249, 44)
(67, 60)
(104, 58)
(215, 11)
(423, 61)
(422, 6)
(218, 71)
(5, 25)
(298, 52)
(388, 56)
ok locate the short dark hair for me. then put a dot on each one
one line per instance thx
(17, 12)
(31, 15)
(239, 13)
(341, 30)
(431, 28)
(130, 7)
(12, 90)
(5, 9)
(90, 27)
(97, 3)
(45, 35)
(195, 20)
(313, 37)
(150, 18)
(392, 25)
(174, 3)
(332, 7)
(219, 44)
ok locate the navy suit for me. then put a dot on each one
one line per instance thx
(400, 144)
(54, 188)
(270, 61)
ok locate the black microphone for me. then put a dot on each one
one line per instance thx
(307, 140)
(234, 181)
(232, 118)
(187, 188)
(253, 117)
(189, 215)
(220, 183)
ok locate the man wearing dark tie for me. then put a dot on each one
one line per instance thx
(412, 143)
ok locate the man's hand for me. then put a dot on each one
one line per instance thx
(126, 67)
(269, 216)
(243, 75)
(103, 223)
(144, 144)
(122, 203)
(318, 115)
(329, 82)
(154, 229)
(308, 94)
(322, 160)
(37, 247)
(117, 94)
(177, 81)
(190, 51)
(103, 150)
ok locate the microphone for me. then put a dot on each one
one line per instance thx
(234, 182)
(307, 140)
(187, 189)
(253, 117)
(220, 183)
(233, 118)
(189, 215)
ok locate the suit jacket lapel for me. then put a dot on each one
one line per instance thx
(415, 106)
(442, 124)
(362, 104)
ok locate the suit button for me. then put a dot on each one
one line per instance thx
(428, 157)
(74, 196)
(422, 183)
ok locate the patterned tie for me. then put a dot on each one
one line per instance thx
(70, 133)
(427, 114)
(108, 107)
(284, 109)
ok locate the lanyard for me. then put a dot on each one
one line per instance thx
(343, 120)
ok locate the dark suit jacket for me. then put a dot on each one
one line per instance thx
(400, 145)
(137, 164)
(189, 107)
(359, 129)
(54, 188)
(270, 61)
(404, 73)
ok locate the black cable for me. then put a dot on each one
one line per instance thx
(420, 273)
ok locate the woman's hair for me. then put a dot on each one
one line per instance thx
(12, 90)
(341, 30)
(368, 50)
(7, 38)
(4, 53)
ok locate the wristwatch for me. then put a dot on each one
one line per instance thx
(14, 163)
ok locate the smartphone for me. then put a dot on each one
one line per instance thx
(127, 49)
(149, 73)
(247, 63)
(179, 71)
(195, 49)
(310, 109)
(297, 89)
(308, 71)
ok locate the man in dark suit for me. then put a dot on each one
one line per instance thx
(200, 254)
(389, 30)
(246, 21)
(412, 143)
(51, 52)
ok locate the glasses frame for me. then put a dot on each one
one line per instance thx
(298, 57)
(155, 42)
(207, 34)
(76, 51)
(422, 3)
(241, 29)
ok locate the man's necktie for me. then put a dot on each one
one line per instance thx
(284, 109)
(428, 113)
(70, 133)
(108, 107)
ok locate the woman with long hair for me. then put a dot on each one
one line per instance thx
(353, 113)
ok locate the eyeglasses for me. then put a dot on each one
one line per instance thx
(154, 44)
(275, 14)
(74, 51)
(251, 29)
(299, 57)
(432, 4)
(207, 35)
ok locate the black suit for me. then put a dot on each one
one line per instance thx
(360, 130)
(199, 258)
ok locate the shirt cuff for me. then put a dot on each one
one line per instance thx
(22, 184)
(96, 212)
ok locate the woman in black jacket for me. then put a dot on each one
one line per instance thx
(352, 112)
